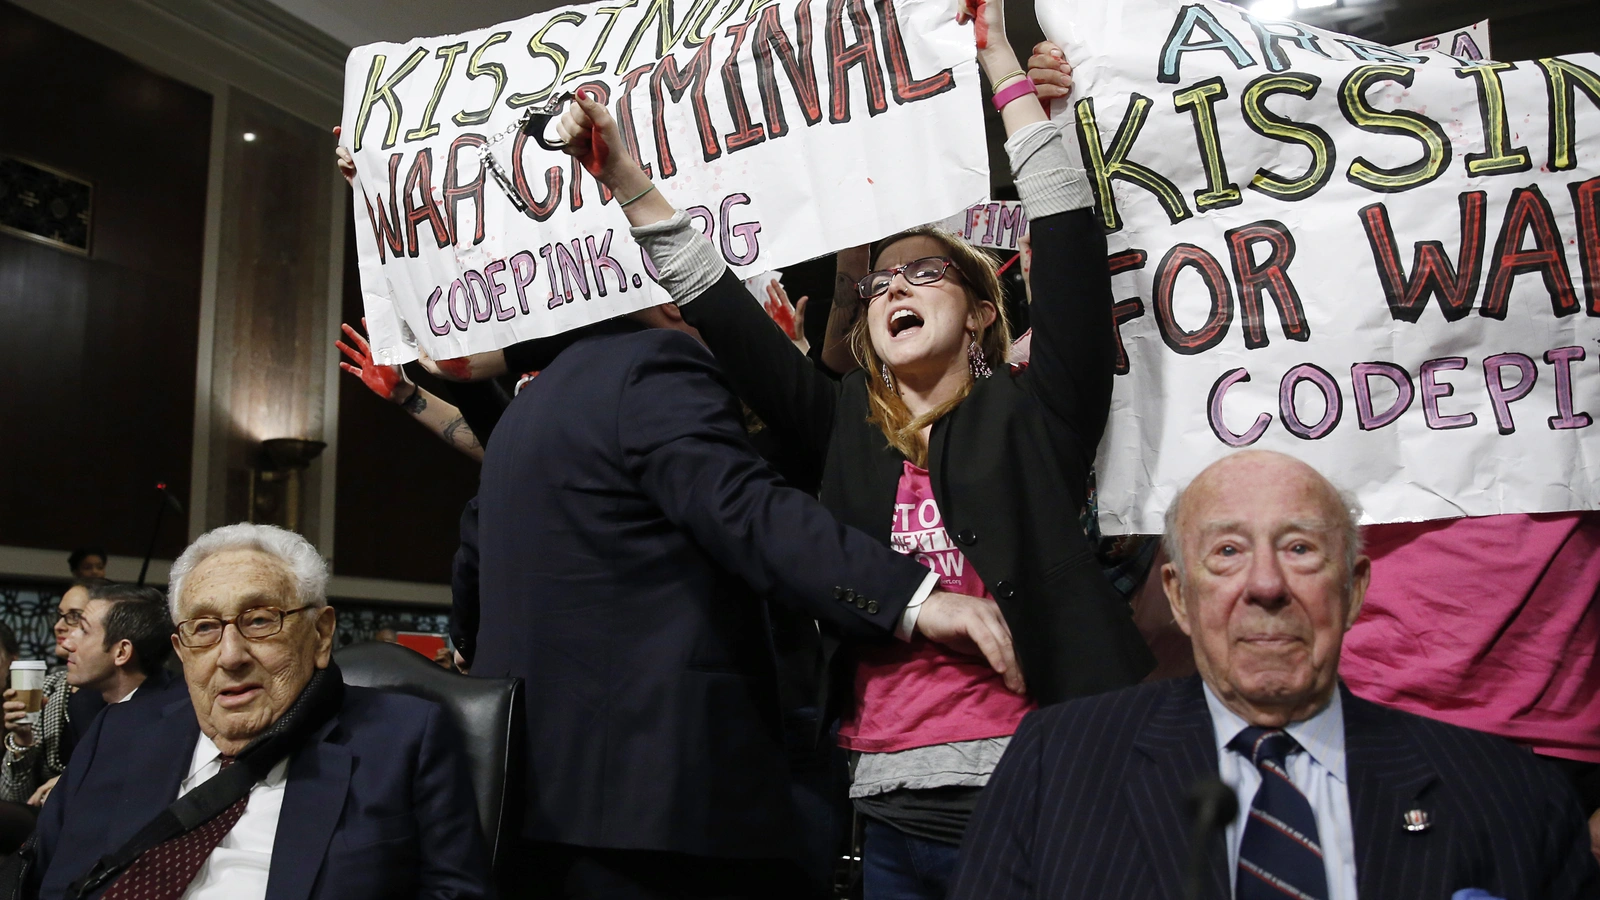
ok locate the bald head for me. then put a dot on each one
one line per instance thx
(1265, 576)
(1247, 469)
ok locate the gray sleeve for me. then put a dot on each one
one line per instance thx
(686, 263)
(1046, 179)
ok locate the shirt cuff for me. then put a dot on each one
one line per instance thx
(686, 263)
(908, 618)
(1046, 179)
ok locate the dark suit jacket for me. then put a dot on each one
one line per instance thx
(628, 536)
(1089, 802)
(1009, 466)
(378, 805)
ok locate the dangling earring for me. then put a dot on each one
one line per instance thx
(976, 361)
(883, 369)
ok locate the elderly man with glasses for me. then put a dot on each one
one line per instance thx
(272, 778)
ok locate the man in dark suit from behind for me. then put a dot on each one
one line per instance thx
(628, 534)
(1337, 797)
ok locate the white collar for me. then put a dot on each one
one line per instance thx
(1321, 736)
(206, 762)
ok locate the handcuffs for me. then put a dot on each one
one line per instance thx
(533, 122)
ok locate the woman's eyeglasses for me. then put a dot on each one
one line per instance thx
(926, 270)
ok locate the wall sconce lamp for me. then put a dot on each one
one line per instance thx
(275, 483)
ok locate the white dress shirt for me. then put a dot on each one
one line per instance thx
(1318, 770)
(237, 869)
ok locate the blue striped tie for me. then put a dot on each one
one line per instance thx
(1280, 855)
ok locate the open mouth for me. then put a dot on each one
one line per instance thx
(902, 321)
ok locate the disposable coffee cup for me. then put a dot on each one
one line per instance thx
(27, 679)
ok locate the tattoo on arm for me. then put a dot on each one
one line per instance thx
(456, 432)
(415, 403)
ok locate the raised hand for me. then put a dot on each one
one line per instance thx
(790, 318)
(343, 159)
(1050, 72)
(988, 18)
(591, 134)
(972, 625)
(388, 382)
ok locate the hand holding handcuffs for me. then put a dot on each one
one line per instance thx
(533, 123)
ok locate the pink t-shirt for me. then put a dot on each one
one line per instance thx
(1492, 623)
(917, 693)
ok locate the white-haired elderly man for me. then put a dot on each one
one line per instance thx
(271, 780)
(1338, 797)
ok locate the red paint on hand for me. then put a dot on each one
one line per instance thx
(459, 369)
(384, 381)
(980, 26)
(781, 312)
(595, 159)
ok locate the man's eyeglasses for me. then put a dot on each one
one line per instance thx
(73, 618)
(926, 270)
(253, 624)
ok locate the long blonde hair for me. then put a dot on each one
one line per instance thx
(981, 283)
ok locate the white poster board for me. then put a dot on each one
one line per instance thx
(786, 130)
(1385, 263)
(995, 224)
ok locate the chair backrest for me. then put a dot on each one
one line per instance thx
(487, 712)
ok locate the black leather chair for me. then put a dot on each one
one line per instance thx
(487, 712)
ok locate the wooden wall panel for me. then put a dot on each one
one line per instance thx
(400, 488)
(97, 354)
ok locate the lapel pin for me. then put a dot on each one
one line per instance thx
(1417, 820)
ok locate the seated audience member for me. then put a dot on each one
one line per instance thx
(302, 786)
(120, 644)
(1338, 797)
(87, 562)
(1488, 622)
(16, 820)
(33, 760)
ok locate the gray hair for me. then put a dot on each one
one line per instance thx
(307, 566)
(1350, 514)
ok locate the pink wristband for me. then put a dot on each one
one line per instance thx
(1012, 91)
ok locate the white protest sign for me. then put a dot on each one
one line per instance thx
(1384, 263)
(996, 224)
(786, 130)
(1471, 42)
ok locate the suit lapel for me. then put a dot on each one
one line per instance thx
(1175, 748)
(157, 764)
(313, 799)
(1388, 777)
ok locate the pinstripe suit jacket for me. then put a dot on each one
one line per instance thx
(1088, 802)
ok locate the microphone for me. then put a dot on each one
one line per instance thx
(167, 501)
(1212, 805)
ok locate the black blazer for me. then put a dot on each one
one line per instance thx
(377, 805)
(1009, 466)
(1088, 802)
(628, 535)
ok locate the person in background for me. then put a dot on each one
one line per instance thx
(307, 787)
(1490, 622)
(33, 760)
(10, 647)
(391, 384)
(1337, 797)
(87, 562)
(387, 633)
(918, 456)
(121, 643)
